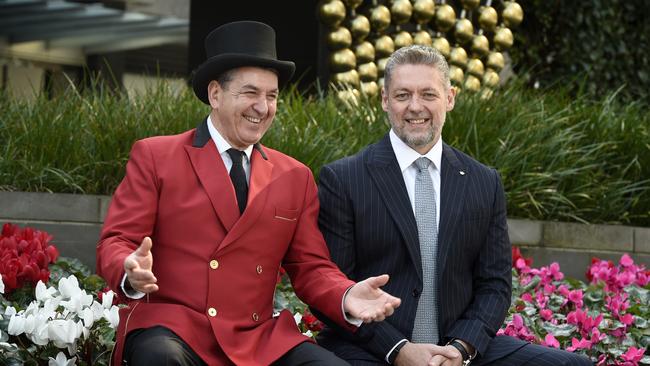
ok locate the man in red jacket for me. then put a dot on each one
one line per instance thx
(200, 225)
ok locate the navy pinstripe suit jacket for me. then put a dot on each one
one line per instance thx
(369, 225)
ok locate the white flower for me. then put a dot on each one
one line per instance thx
(61, 360)
(113, 316)
(107, 299)
(44, 293)
(10, 310)
(98, 310)
(78, 300)
(16, 325)
(62, 332)
(88, 317)
(298, 318)
(40, 334)
(308, 333)
(2, 285)
(69, 287)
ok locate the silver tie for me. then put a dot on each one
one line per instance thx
(425, 329)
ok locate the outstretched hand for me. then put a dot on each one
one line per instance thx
(367, 302)
(138, 267)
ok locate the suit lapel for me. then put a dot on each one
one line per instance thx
(453, 178)
(385, 172)
(261, 171)
(212, 174)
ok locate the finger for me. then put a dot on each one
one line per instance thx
(130, 264)
(436, 360)
(144, 248)
(378, 281)
(447, 351)
(142, 276)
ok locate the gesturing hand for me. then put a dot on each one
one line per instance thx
(138, 267)
(366, 301)
(425, 354)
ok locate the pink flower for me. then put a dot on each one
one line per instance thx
(575, 297)
(527, 297)
(546, 314)
(633, 355)
(626, 260)
(626, 319)
(550, 341)
(555, 271)
(578, 344)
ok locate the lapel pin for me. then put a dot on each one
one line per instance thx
(461, 172)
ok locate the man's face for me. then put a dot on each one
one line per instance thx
(417, 101)
(244, 108)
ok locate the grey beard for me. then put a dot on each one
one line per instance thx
(416, 141)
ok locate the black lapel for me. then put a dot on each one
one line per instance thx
(385, 172)
(453, 180)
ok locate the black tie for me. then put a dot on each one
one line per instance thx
(238, 177)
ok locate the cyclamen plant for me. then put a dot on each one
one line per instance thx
(607, 319)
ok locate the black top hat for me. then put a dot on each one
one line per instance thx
(237, 44)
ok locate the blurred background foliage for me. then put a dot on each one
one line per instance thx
(596, 46)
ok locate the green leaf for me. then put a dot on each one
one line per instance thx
(562, 330)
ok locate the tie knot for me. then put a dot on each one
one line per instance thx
(235, 156)
(422, 163)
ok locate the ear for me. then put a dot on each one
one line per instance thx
(214, 93)
(384, 99)
(451, 98)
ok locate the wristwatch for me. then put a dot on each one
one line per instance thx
(393, 355)
(467, 358)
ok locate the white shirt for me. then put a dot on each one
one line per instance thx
(223, 146)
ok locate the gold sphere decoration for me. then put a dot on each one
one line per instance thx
(423, 11)
(368, 71)
(503, 38)
(456, 75)
(342, 60)
(350, 96)
(381, 67)
(486, 93)
(353, 4)
(360, 27)
(470, 4)
(401, 11)
(495, 61)
(443, 46)
(458, 56)
(445, 17)
(339, 38)
(332, 13)
(472, 83)
(350, 78)
(402, 39)
(365, 52)
(480, 45)
(512, 14)
(384, 46)
(380, 18)
(422, 38)
(463, 30)
(490, 78)
(370, 88)
(475, 67)
(487, 18)
(380, 83)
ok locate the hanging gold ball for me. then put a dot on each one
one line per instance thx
(463, 30)
(422, 38)
(512, 14)
(475, 67)
(458, 56)
(456, 75)
(360, 27)
(472, 83)
(353, 4)
(445, 17)
(401, 11)
(332, 13)
(490, 78)
(470, 4)
(487, 18)
(339, 38)
(442, 45)
(423, 11)
(495, 61)
(370, 88)
(503, 38)
(350, 78)
(486, 93)
(381, 67)
(402, 39)
(480, 45)
(368, 71)
(365, 52)
(384, 46)
(380, 18)
(350, 96)
(342, 60)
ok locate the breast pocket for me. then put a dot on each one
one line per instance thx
(285, 214)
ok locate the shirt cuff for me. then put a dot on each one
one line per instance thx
(354, 321)
(392, 349)
(130, 293)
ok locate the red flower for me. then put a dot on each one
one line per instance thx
(312, 322)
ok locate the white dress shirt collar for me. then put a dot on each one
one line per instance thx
(406, 155)
(222, 144)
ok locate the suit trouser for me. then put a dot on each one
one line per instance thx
(160, 346)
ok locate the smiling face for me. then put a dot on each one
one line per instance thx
(244, 107)
(417, 101)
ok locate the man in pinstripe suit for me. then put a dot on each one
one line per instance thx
(370, 222)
